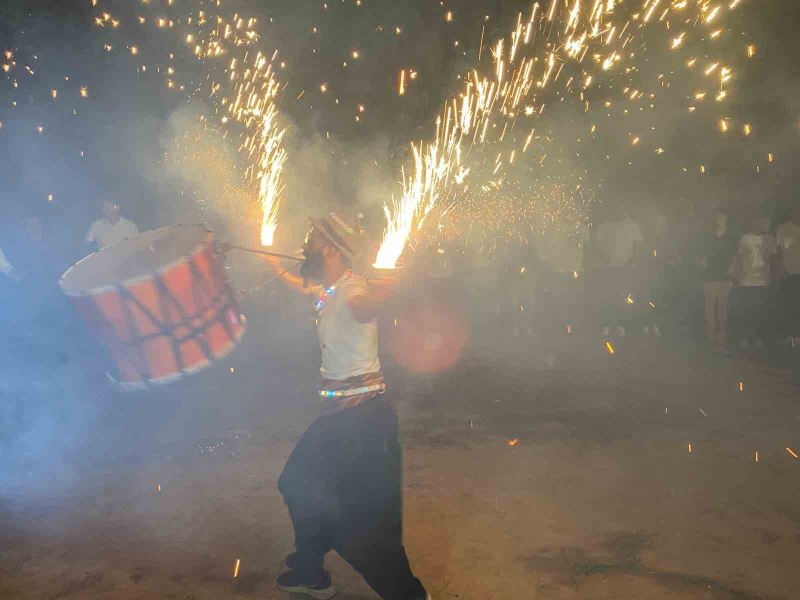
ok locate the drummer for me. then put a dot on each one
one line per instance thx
(342, 483)
(111, 228)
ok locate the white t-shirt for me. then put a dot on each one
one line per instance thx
(104, 233)
(349, 348)
(563, 250)
(754, 254)
(789, 242)
(5, 266)
(616, 241)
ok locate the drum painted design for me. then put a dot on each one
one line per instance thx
(160, 303)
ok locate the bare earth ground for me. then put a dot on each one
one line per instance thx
(159, 494)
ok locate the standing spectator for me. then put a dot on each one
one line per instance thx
(752, 275)
(616, 248)
(562, 276)
(717, 252)
(660, 261)
(38, 305)
(789, 253)
(112, 228)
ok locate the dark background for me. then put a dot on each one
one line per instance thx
(126, 111)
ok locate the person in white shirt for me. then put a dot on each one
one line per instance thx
(752, 277)
(343, 481)
(789, 252)
(112, 228)
(615, 250)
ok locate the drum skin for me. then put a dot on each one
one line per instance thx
(172, 322)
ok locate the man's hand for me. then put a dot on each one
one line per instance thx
(385, 283)
(274, 262)
(365, 307)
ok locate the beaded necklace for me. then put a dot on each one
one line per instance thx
(328, 293)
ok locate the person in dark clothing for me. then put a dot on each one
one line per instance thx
(342, 483)
(718, 248)
(751, 309)
(789, 250)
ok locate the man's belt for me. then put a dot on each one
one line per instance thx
(379, 387)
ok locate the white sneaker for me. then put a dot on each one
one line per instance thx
(620, 331)
(606, 331)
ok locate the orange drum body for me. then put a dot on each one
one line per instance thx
(160, 303)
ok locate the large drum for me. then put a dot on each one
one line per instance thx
(160, 303)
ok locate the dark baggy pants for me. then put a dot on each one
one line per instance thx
(608, 289)
(751, 313)
(790, 306)
(343, 486)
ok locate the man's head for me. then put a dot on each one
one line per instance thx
(111, 211)
(720, 220)
(761, 225)
(331, 247)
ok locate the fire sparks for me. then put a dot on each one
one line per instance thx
(254, 106)
(524, 65)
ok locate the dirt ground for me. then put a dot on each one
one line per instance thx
(548, 470)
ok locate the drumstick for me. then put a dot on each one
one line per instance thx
(262, 252)
(246, 293)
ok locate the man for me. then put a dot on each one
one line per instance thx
(789, 253)
(342, 483)
(718, 250)
(616, 248)
(752, 275)
(561, 251)
(112, 228)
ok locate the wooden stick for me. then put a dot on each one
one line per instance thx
(264, 253)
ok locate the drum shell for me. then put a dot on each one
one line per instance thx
(168, 324)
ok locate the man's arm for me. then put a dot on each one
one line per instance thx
(91, 236)
(291, 280)
(365, 305)
(779, 259)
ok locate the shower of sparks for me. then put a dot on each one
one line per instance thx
(558, 51)
(570, 42)
(254, 107)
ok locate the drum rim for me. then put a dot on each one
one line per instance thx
(144, 384)
(104, 289)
